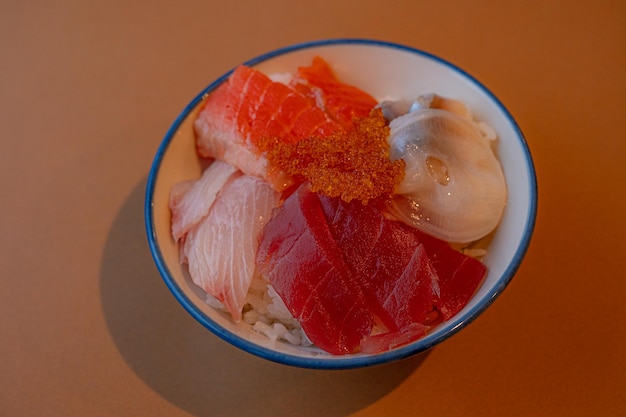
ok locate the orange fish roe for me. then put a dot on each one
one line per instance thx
(351, 164)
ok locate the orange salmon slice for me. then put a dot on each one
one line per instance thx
(343, 102)
(249, 107)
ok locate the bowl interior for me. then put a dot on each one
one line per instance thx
(385, 71)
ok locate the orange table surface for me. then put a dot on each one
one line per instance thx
(87, 327)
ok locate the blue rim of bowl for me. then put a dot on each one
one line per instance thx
(338, 362)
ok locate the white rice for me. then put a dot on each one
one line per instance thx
(266, 312)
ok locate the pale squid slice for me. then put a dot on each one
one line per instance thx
(454, 187)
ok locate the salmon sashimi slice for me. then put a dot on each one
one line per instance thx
(221, 249)
(249, 107)
(287, 115)
(304, 265)
(343, 102)
(219, 128)
(191, 201)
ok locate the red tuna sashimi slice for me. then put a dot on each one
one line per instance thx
(342, 101)
(386, 263)
(379, 243)
(304, 265)
(221, 249)
(455, 276)
(459, 275)
(389, 260)
(249, 107)
(191, 205)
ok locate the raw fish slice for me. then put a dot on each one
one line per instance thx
(373, 244)
(342, 101)
(285, 114)
(334, 262)
(249, 107)
(265, 123)
(269, 102)
(390, 262)
(459, 275)
(219, 132)
(304, 265)
(380, 259)
(191, 205)
(253, 85)
(221, 249)
(407, 290)
(178, 191)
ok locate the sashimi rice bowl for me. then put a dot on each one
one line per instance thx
(340, 203)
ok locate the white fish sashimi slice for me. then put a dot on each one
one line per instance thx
(221, 249)
(190, 202)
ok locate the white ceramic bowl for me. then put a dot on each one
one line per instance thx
(384, 70)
